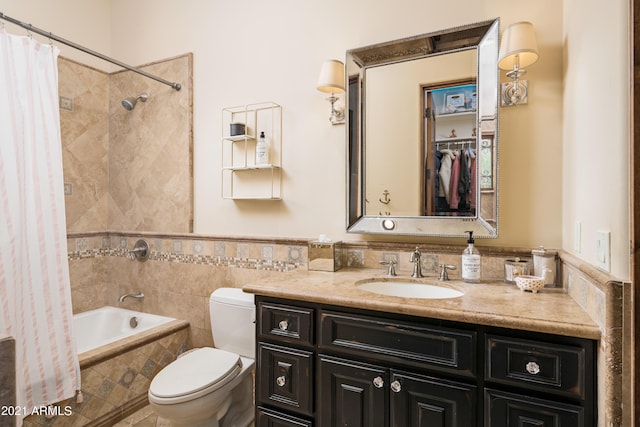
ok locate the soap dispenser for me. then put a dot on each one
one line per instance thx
(471, 261)
(262, 151)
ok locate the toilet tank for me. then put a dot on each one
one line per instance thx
(233, 316)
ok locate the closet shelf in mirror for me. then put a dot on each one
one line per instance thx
(457, 114)
(455, 140)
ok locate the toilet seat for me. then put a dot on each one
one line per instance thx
(193, 375)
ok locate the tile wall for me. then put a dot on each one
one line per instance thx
(178, 277)
(117, 162)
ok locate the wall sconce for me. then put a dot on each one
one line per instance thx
(331, 81)
(518, 50)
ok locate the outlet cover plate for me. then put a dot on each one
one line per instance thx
(577, 237)
(603, 250)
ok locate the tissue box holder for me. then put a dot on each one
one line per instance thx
(325, 256)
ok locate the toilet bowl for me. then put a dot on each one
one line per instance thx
(211, 387)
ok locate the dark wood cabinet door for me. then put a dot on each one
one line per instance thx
(421, 401)
(351, 394)
(284, 378)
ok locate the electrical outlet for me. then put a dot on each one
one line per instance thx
(577, 237)
(603, 250)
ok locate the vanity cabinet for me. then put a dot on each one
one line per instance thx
(329, 366)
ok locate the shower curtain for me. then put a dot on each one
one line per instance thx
(35, 294)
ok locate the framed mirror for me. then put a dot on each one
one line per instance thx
(422, 134)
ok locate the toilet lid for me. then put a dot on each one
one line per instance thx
(195, 371)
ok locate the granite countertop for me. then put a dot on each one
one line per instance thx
(492, 303)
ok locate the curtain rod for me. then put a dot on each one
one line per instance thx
(51, 36)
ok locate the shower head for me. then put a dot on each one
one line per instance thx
(130, 103)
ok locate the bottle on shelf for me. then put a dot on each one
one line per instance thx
(262, 150)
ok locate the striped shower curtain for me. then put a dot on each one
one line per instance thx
(35, 295)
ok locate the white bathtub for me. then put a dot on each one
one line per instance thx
(106, 325)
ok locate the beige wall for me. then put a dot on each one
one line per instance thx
(246, 52)
(596, 114)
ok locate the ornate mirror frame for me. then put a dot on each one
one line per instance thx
(482, 37)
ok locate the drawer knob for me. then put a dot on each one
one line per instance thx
(281, 381)
(396, 386)
(533, 368)
(283, 325)
(378, 382)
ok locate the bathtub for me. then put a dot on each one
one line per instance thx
(106, 325)
(117, 364)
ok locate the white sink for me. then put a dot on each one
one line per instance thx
(399, 288)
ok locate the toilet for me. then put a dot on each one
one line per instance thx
(213, 386)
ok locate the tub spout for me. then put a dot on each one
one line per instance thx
(139, 296)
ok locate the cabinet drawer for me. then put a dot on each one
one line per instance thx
(415, 344)
(286, 323)
(538, 365)
(268, 418)
(285, 378)
(509, 409)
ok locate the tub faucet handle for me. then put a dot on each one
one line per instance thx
(141, 250)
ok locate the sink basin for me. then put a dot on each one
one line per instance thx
(398, 288)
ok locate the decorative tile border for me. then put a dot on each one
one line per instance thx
(235, 254)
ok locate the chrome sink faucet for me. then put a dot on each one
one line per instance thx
(417, 263)
(139, 296)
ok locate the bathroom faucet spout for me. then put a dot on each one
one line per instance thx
(139, 296)
(417, 263)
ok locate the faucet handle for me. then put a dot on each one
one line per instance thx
(444, 275)
(391, 272)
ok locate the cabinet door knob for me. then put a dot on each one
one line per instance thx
(378, 382)
(533, 368)
(396, 386)
(283, 325)
(281, 381)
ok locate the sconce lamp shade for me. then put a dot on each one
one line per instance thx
(519, 47)
(331, 78)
